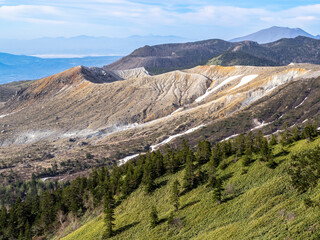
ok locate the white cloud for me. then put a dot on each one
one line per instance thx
(156, 17)
(31, 13)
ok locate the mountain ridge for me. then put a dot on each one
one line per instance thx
(163, 58)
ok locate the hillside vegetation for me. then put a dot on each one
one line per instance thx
(261, 199)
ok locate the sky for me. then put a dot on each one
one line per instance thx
(192, 19)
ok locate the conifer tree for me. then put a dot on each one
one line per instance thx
(273, 140)
(240, 145)
(247, 158)
(175, 194)
(216, 155)
(203, 152)
(148, 179)
(217, 193)
(212, 180)
(108, 210)
(171, 160)
(226, 149)
(185, 151)
(159, 164)
(310, 131)
(27, 231)
(296, 135)
(3, 221)
(249, 142)
(154, 217)
(258, 140)
(265, 150)
(286, 136)
(189, 176)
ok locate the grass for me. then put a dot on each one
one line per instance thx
(261, 205)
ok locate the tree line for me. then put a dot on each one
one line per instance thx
(41, 213)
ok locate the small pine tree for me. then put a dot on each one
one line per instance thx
(249, 142)
(212, 180)
(148, 181)
(203, 152)
(296, 135)
(240, 145)
(109, 214)
(217, 192)
(175, 194)
(265, 150)
(154, 217)
(3, 217)
(273, 140)
(27, 232)
(286, 136)
(247, 159)
(310, 131)
(216, 155)
(171, 162)
(189, 176)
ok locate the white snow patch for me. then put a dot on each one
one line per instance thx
(5, 115)
(128, 158)
(45, 178)
(178, 110)
(245, 80)
(169, 139)
(318, 128)
(261, 125)
(301, 102)
(154, 147)
(232, 136)
(2, 116)
(209, 91)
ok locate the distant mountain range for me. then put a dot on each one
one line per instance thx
(20, 67)
(82, 45)
(167, 57)
(273, 34)
(295, 45)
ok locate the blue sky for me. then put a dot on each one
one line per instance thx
(191, 19)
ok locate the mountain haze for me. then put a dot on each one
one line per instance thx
(273, 34)
(82, 45)
(21, 67)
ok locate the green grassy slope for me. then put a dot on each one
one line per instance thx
(259, 204)
(230, 58)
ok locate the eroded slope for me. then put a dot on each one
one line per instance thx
(110, 115)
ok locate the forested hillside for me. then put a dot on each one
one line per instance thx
(247, 187)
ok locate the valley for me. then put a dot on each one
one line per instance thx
(210, 139)
(104, 113)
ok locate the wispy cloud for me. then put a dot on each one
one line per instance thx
(31, 13)
(120, 17)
